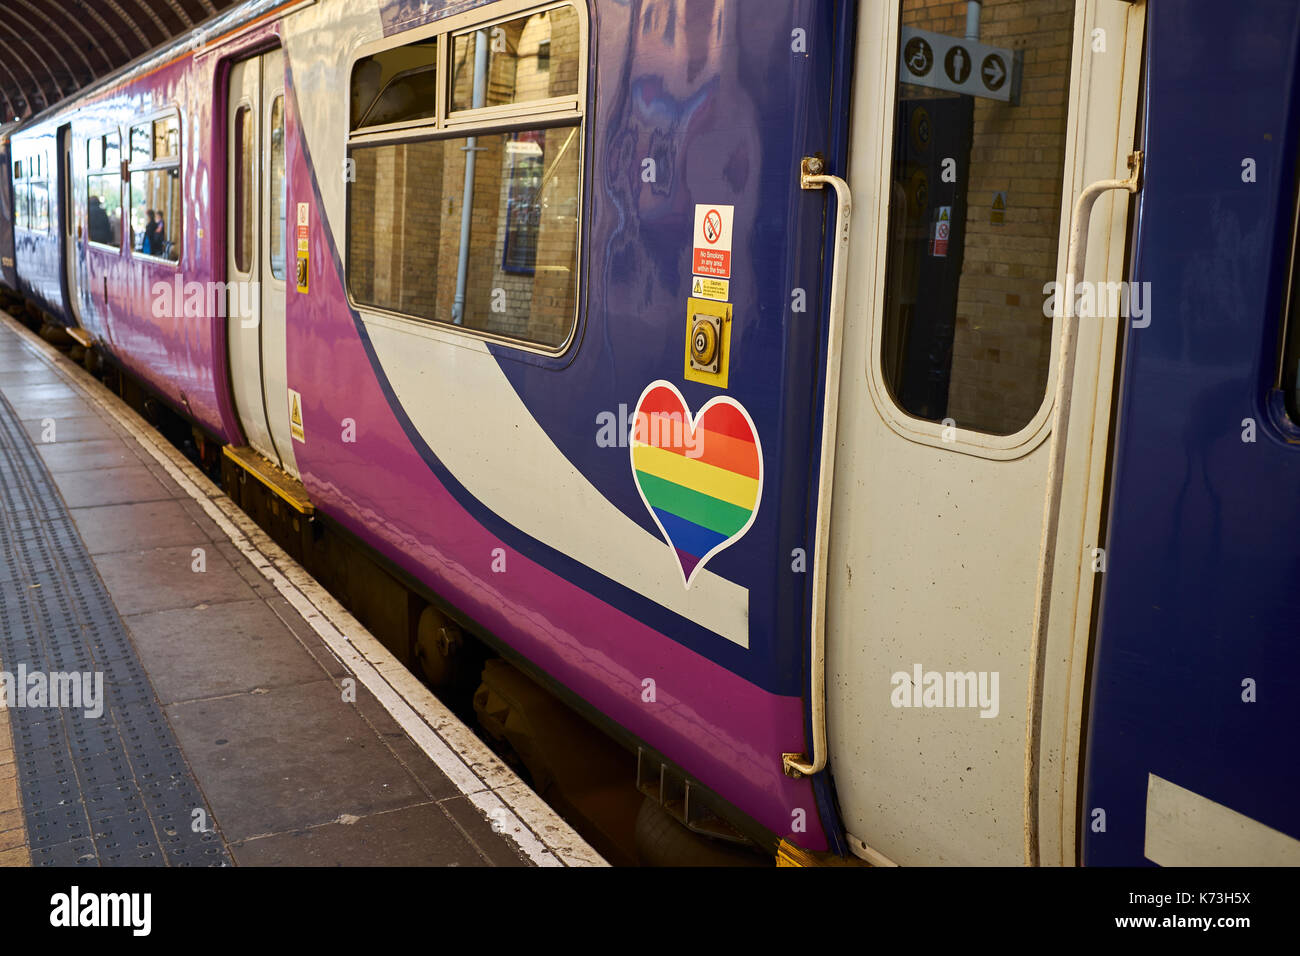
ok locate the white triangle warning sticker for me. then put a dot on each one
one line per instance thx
(998, 201)
(698, 287)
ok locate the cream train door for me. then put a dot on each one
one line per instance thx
(256, 245)
(945, 426)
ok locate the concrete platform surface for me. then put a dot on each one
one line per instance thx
(242, 717)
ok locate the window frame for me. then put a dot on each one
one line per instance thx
(554, 112)
(880, 145)
(152, 165)
(103, 133)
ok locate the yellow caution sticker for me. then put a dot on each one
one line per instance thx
(295, 417)
(303, 268)
(706, 288)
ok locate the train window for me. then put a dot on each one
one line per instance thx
(112, 150)
(94, 152)
(155, 213)
(475, 223)
(278, 189)
(104, 208)
(40, 206)
(166, 138)
(534, 57)
(243, 194)
(141, 144)
(1288, 375)
(974, 223)
(155, 177)
(395, 86)
(405, 251)
(22, 217)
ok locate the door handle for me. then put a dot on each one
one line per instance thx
(811, 177)
(1075, 260)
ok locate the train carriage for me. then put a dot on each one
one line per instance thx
(866, 412)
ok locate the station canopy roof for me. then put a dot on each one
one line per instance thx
(50, 49)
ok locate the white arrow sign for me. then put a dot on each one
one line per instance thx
(993, 71)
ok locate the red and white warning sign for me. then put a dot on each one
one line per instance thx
(942, 225)
(713, 227)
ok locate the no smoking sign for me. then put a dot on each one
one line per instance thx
(713, 228)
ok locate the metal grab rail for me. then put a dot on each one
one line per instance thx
(1074, 265)
(811, 177)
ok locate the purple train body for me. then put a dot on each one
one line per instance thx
(490, 246)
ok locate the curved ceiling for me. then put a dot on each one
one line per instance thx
(49, 49)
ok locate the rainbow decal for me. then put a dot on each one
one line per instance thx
(701, 478)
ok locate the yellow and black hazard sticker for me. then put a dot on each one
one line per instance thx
(295, 417)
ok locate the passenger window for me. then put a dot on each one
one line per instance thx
(534, 57)
(395, 86)
(405, 254)
(492, 247)
(40, 214)
(141, 144)
(104, 191)
(243, 193)
(22, 218)
(166, 138)
(278, 190)
(156, 217)
(974, 220)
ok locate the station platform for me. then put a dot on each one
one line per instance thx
(175, 691)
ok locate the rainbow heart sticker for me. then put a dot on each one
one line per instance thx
(701, 478)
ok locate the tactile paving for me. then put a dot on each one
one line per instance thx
(111, 789)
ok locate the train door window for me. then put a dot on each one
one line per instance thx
(155, 175)
(974, 221)
(104, 192)
(472, 218)
(1288, 378)
(244, 219)
(279, 195)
